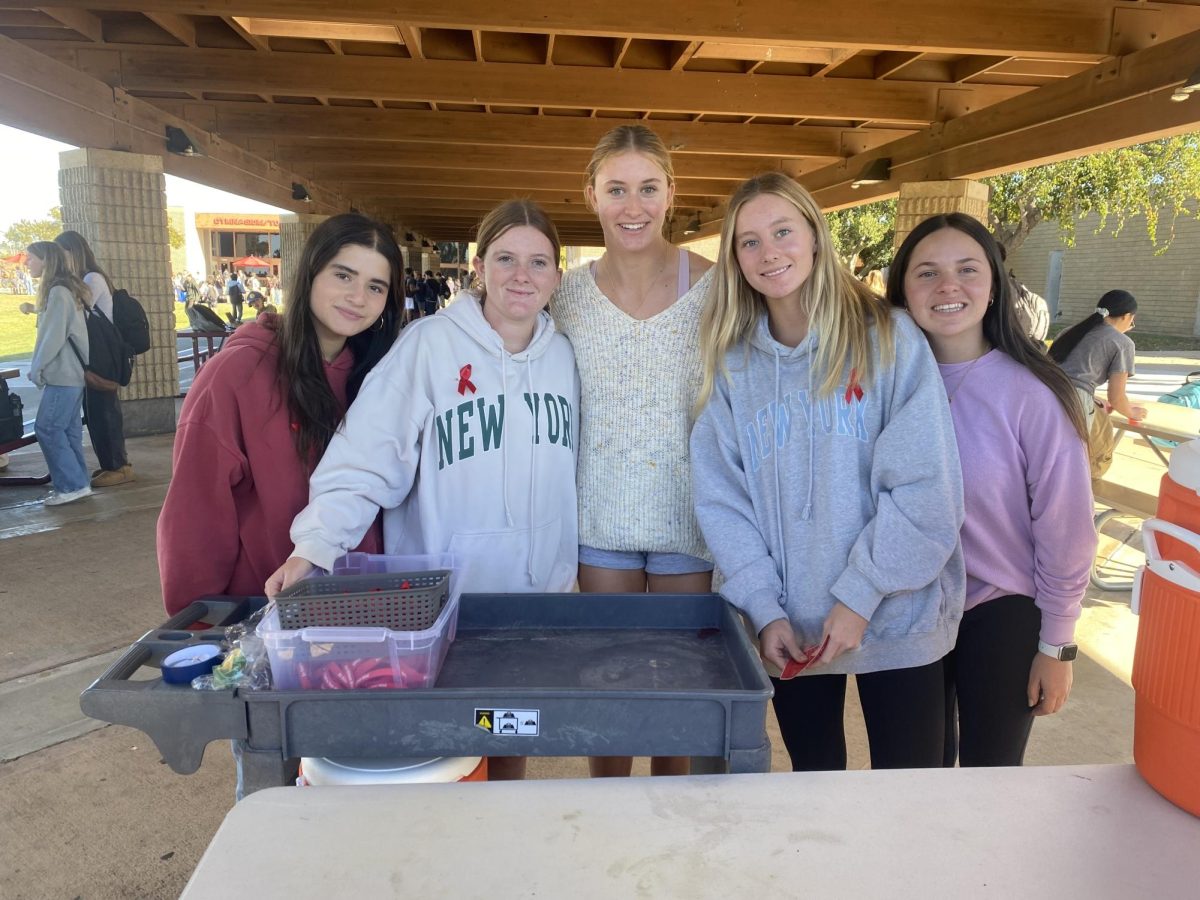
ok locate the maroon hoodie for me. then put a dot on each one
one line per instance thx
(237, 481)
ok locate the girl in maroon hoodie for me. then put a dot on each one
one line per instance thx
(261, 412)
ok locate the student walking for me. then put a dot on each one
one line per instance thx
(60, 352)
(105, 421)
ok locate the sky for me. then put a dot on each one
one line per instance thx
(29, 183)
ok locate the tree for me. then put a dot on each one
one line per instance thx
(864, 233)
(26, 231)
(1155, 180)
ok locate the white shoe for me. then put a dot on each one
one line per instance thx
(58, 499)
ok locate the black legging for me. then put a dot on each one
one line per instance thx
(106, 426)
(903, 708)
(987, 678)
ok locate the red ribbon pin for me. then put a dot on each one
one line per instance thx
(852, 388)
(464, 380)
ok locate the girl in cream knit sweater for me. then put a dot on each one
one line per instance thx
(633, 319)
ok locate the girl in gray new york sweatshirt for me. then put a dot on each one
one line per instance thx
(827, 483)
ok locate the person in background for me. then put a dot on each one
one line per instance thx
(875, 283)
(1099, 351)
(431, 293)
(57, 368)
(1032, 312)
(827, 483)
(105, 419)
(633, 318)
(260, 413)
(237, 294)
(500, 496)
(1028, 538)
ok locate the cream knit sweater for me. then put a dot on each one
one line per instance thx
(639, 379)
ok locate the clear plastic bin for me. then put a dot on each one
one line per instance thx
(363, 658)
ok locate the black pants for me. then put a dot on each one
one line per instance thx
(903, 709)
(106, 425)
(235, 301)
(987, 677)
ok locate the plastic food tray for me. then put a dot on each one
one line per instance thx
(367, 590)
(596, 674)
(300, 658)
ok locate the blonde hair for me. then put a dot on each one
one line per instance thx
(840, 308)
(57, 270)
(511, 214)
(875, 282)
(629, 139)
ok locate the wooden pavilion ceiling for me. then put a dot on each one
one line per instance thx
(429, 114)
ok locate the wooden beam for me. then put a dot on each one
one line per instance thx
(352, 176)
(288, 121)
(1117, 103)
(48, 98)
(514, 159)
(179, 27)
(155, 69)
(254, 40)
(891, 62)
(77, 19)
(1063, 29)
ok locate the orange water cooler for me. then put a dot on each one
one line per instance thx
(1166, 662)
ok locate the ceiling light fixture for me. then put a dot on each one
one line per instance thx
(300, 192)
(409, 238)
(1188, 88)
(180, 144)
(877, 171)
(693, 225)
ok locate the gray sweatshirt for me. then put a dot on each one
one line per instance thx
(54, 362)
(806, 500)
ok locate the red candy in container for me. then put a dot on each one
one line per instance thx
(330, 633)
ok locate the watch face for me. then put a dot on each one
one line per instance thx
(1068, 652)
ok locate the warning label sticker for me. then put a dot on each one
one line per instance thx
(520, 722)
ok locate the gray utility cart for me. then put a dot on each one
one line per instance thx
(528, 675)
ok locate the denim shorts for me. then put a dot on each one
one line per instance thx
(653, 563)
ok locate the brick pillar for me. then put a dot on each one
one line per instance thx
(118, 202)
(922, 199)
(293, 232)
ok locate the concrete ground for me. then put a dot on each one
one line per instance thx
(89, 810)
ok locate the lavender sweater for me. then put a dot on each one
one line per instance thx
(1028, 491)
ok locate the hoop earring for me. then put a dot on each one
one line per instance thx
(378, 325)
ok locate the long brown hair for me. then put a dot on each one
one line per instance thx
(314, 410)
(83, 260)
(1001, 327)
(840, 308)
(57, 272)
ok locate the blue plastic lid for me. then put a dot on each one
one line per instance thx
(190, 662)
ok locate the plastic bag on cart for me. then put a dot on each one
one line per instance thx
(246, 664)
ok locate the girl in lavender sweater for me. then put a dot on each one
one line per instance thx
(1028, 538)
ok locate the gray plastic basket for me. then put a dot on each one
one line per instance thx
(401, 601)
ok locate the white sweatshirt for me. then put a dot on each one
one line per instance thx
(469, 450)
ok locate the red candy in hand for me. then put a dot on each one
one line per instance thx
(808, 657)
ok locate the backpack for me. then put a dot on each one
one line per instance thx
(110, 358)
(130, 319)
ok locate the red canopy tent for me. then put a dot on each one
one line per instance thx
(250, 262)
(18, 258)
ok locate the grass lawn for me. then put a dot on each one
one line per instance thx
(17, 330)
